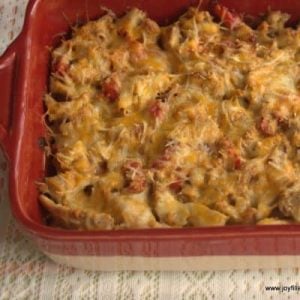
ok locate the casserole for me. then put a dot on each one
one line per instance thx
(21, 131)
(187, 125)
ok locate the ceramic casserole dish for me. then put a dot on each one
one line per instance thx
(24, 72)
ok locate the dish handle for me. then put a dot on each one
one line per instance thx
(8, 72)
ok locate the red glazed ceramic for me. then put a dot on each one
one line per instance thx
(24, 71)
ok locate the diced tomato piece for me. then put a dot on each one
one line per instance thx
(160, 162)
(231, 152)
(266, 127)
(233, 155)
(131, 168)
(134, 176)
(227, 17)
(176, 186)
(60, 67)
(111, 89)
(238, 163)
(137, 185)
(229, 147)
(157, 109)
(132, 164)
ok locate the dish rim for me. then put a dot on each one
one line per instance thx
(50, 233)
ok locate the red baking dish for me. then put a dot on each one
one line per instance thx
(24, 70)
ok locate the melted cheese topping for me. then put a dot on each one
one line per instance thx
(192, 124)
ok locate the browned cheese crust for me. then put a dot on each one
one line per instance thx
(192, 124)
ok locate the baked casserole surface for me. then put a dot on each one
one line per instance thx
(187, 125)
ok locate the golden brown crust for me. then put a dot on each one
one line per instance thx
(191, 124)
(76, 218)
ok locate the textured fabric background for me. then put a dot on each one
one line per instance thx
(25, 273)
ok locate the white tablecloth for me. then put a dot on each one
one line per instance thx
(25, 273)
